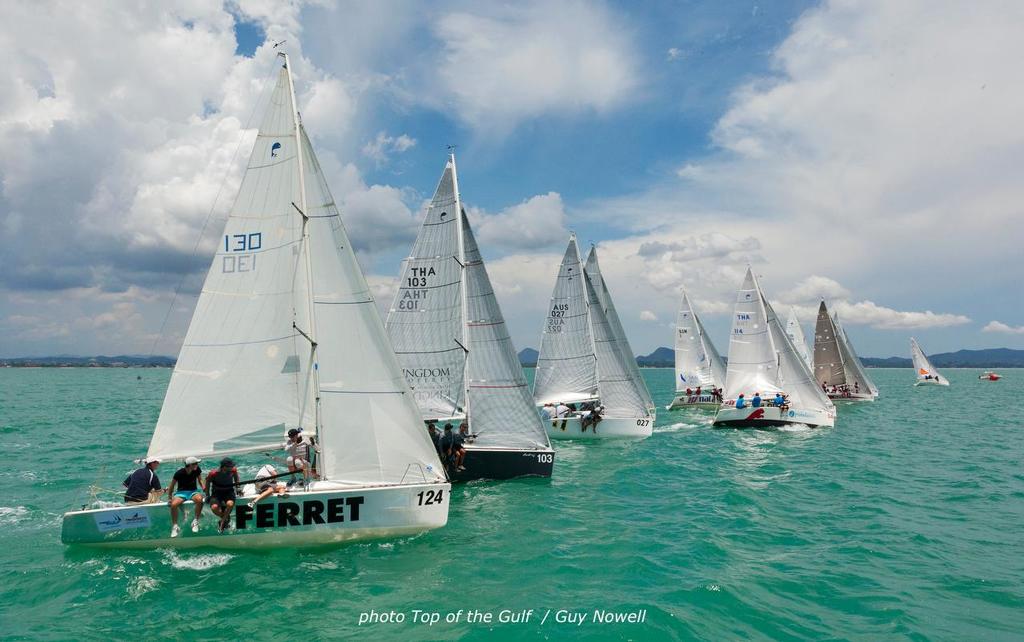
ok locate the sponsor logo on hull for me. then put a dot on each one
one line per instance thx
(306, 513)
(119, 520)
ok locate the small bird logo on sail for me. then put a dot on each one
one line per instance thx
(273, 149)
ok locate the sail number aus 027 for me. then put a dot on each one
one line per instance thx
(241, 250)
(556, 319)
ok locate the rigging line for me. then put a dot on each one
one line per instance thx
(209, 215)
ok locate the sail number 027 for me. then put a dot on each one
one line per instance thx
(428, 497)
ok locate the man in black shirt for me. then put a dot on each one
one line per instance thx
(184, 488)
(447, 442)
(434, 436)
(458, 445)
(220, 488)
(141, 482)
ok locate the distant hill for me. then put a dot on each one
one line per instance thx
(660, 358)
(528, 357)
(120, 361)
(987, 358)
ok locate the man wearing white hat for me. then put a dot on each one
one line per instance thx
(139, 484)
(185, 487)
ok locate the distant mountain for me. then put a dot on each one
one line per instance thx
(528, 357)
(120, 361)
(660, 358)
(987, 358)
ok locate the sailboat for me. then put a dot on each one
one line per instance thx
(926, 374)
(700, 371)
(585, 360)
(762, 359)
(858, 365)
(796, 335)
(455, 350)
(837, 368)
(286, 335)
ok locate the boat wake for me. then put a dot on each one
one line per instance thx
(9, 515)
(676, 427)
(142, 585)
(200, 562)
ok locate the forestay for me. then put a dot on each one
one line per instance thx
(620, 396)
(697, 361)
(425, 320)
(501, 406)
(796, 335)
(625, 352)
(566, 369)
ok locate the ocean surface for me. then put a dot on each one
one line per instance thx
(905, 521)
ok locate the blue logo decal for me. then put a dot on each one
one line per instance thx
(792, 413)
(273, 149)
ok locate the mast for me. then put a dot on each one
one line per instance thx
(312, 333)
(462, 286)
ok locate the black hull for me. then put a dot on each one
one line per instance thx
(760, 423)
(504, 464)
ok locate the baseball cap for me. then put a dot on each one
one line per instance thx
(192, 460)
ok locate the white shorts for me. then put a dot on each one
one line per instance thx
(297, 462)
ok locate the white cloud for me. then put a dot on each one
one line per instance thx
(814, 288)
(538, 222)
(647, 315)
(380, 148)
(1002, 328)
(520, 61)
(674, 53)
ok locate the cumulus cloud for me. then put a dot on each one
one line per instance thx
(647, 315)
(1002, 328)
(538, 222)
(515, 62)
(380, 148)
(815, 287)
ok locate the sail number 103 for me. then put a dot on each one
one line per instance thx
(428, 497)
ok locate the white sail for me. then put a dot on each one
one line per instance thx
(425, 320)
(501, 406)
(923, 369)
(852, 359)
(620, 395)
(697, 361)
(796, 335)
(763, 359)
(566, 364)
(287, 334)
(625, 352)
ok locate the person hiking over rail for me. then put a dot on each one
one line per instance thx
(184, 487)
(220, 488)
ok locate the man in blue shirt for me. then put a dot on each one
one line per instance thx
(780, 401)
(741, 403)
(756, 401)
(139, 484)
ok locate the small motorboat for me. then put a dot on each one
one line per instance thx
(990, 376)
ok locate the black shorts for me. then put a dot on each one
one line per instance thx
(222, 499)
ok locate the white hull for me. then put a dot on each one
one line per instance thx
(608, 428)
(702, 401)
(861, 396)
(304, 518)
(769, 416)
(930, 382)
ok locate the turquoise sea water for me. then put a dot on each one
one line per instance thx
(904, 521)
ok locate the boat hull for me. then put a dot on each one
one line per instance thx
(702, 401)
(852, 397)
(504, 463)
(930, 382)
(608, 428)
(772, 416)
(304, 518)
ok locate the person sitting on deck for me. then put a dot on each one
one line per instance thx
(741, 403)
(689, 392)
(447, 443)
(458, 445)
(856, 387)
(185, 488)
(142, 482)
(562, 410)
(220, 488)
(697, 391)
(300, 456)
(435, 436)
(591, 416)
(717, 394)
(824, 387)
(547, 411)
(756, 401)
(267, 484)
(779, 400)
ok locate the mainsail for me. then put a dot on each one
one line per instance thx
(761, 356)
(697, 361)
(835, 363)
(618, 334)
(796, 335)
(566, 365)
(620, 395)
(450, 336)
(286, 333)
(425, 320)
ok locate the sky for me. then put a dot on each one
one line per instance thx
(865, 152)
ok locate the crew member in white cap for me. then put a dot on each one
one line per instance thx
(184, 488)
(139, 484)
